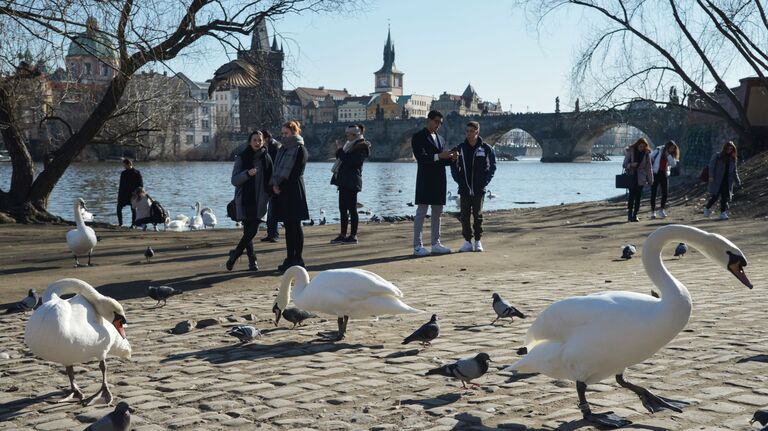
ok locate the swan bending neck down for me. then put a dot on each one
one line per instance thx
(345, 293)
(72, 331)
(590, 338)
(83, 239)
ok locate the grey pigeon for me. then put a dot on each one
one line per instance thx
(424, 335)
(760, 416)
(466, 369)
(27, 304)
(244, 333)
(118, 420)
(297, 316)
(162, 293)
(149, 253)
(504, 309)
(681, 249)
(628, 251)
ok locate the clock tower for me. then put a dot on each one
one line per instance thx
(388, 79)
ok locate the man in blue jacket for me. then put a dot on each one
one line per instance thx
(473, 171)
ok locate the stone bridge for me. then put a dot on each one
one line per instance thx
(563, 137)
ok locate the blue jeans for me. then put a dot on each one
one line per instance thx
(271, 222)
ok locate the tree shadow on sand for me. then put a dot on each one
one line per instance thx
(15, 408)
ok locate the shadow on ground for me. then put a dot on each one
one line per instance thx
(256, 352)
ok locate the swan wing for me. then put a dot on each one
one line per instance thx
(355, 283)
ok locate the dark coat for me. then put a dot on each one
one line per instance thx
(272, 148)
(350, 173)
(130, 180)
(431, 184)
(291, 203)
(263, 163)
(474, 168)
(717, 173)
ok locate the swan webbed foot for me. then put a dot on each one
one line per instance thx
(607, 420)
(75, 395)
(103, 396)
(655, 403)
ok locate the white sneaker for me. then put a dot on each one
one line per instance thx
(440, 249)
(707, 212)
(478, 246)
(653, 215)
(466, 247)
(420, 252)
(724, 215)
(663, 214)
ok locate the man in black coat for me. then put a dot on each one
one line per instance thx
(130, 180)
(432, 156)
(272, 146)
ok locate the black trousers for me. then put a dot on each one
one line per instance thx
(633, 201)
(472, 206)
(659, 180)
(724, 194)
(348, 210)
(294, 241)
(250, 229)
(120, 214)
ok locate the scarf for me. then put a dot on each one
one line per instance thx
(286, 159)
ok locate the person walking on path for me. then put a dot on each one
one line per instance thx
(289, 194)
(130, 180)
(723, 173)
(637, 162)
(664, 159)
(250, 176)
(473, 171)
(272, 146)
(348, 177)
(432, 157)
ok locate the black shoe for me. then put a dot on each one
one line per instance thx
(231, 261)
(252, 265)
(269, 239)
(338, 240)
(634, 219)
(349, 240)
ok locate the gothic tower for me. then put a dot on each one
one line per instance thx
(261, 107)
(388, 78)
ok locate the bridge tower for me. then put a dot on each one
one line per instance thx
(388, 79)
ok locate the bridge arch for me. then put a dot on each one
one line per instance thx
(622, 134)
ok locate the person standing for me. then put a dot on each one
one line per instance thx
(723, 173)
(250, 176)
(637, 162)
(272, 146)
(130, 180)
(432, 157)
(348, 177)
(473, 171)
(289, 194)
(664, 159)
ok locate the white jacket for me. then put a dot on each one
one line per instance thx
(671, 162)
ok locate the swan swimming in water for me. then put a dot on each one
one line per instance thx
(77, 330)
(83, 239)
(451, 196)
(345, 293)
(491, 195)
(590, 338)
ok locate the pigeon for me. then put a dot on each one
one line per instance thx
(27, 304)
(323, 221)
(162, 293)
(118, 420)
(244, 333)
(681, 249)
(236, 73)
(466, 369)
(296, 316)
(504, 309)
(628, 251)
(760, 416)
(149, 253)
(424, 335)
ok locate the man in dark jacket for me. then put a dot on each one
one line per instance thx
(473, 171)
(432, 156)
(130, 180)
(272, 147)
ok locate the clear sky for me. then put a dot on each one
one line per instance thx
(441, 45)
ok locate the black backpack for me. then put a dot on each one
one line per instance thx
(157, 212)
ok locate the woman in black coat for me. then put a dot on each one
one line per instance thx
(250, 176)
(348, 177)
(290, 196)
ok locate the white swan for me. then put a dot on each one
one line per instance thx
(196, 222)
(452, 197)
(83, 239)
(491, 195)
(72, 331)
(209, 218)
(178, 224)
(87, 216)
(345, 293)
(590, 338)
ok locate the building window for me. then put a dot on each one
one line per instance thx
(206, 124)
(206, 110)
(190, 124)
(190, 139)
(205, 139)
(105, 70)
(87, 69)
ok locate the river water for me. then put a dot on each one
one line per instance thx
(387, 187)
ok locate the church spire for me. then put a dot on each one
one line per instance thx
(260, 37)
(274, 43)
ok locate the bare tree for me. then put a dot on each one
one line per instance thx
(641, 48)
(142, 34)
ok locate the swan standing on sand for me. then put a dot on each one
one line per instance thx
(590, 338)
(77, 330)
(345, 293)
(196, 222)
(209, 218)
(83, 239)
(178, 224)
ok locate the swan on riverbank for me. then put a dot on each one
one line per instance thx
(81, 240)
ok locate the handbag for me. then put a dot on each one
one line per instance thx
(625, 181)
(232, 210)
(674, 172)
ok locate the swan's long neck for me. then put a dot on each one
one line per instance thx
(301, 278)
(79, 217)
(104, 305)
(197, 209)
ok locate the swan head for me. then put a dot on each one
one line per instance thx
(80, 203)
(726, 254)
(113, 311)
